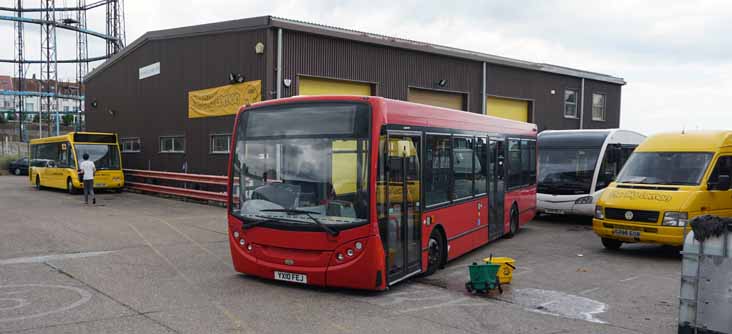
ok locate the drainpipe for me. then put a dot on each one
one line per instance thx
(279, 63)
(582, 104)
(483, 111)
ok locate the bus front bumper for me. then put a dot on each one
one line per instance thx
(564, 207)
(358, 273)
(638, 233)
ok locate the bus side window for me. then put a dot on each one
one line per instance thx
(723, 167)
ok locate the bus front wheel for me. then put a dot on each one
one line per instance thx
(70, 186)
(611, 244)
(435, 248)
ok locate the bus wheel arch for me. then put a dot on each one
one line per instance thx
(514, 224)
(437, 243)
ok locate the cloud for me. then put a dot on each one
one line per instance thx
(674, 54)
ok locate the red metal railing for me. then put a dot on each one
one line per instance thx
(143, 179)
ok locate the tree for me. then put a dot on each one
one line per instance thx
(66, 120)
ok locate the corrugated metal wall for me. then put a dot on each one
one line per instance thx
(392, 70)
(157, 106)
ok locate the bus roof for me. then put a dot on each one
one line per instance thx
(66, 137)
(687, 141)
(409, 113)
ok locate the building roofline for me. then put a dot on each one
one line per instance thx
(355, 35)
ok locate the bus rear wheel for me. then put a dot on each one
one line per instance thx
(611, 244)
(435, 248)
(514, 223)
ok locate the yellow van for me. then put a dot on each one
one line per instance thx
(55, 160)
(668, 180)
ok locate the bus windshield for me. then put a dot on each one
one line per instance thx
(566, 171)
(104, 156)
(671, 168)
(293, 162)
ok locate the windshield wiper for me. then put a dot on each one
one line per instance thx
(309, 214)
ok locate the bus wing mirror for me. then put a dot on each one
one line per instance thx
(723, 182)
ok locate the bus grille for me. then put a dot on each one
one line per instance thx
(638, 215)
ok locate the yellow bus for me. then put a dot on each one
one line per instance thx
(669, 179)
(55, 161)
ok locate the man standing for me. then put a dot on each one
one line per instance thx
(87, 170)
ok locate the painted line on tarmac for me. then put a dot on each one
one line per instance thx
(233, 318)
(588, 291)
(51, 257)
(629, 279)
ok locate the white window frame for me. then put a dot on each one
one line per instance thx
(604, 107)
(576, 109)
(122, 142)
(160, 143)
(213, 150)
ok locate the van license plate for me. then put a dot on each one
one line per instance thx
(100, 185)
(626, 233)
(290, 277)
(554, 211)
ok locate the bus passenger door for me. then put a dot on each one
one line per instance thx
(404, 240)
(496, 186)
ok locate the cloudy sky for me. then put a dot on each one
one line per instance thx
(675, 55)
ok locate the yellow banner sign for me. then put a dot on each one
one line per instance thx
(223, 100)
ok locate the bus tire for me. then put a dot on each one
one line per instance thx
(435, 252)
(70, 186)
(514, 222)
(611, 244)
(38, 183)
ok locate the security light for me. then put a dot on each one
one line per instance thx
(442, 83)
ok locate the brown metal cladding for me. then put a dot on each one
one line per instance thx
(158, 105)
(392, 70)
(192, 60)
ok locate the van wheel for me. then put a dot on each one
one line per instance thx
(435, 252)
(70, 186)
(514, 225)
(611, 244)
(38, 182)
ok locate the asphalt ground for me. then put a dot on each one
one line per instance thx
(142, 264)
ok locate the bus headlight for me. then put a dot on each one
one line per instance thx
(584, 200)
(672, 218)
(599, 213)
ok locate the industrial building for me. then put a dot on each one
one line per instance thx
(171, 94)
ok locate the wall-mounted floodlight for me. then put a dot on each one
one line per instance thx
(442, 83)
(235, 78)
(287, 82)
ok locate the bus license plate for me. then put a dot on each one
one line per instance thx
(100, 185)
(290, 277)
(626, 233)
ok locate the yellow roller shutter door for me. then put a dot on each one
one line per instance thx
(318, 86)
(437, 98)
(517, 110)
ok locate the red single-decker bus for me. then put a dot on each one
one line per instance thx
(364, 192)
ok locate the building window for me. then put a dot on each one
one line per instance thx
(172, 144)
(570, 103)
(220, 143)
(130, 145)
(598, 107)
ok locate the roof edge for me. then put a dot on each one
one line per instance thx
(260, 22)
